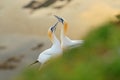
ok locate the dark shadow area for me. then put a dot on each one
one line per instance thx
(37, 5)
(39, 46)
(11, 63)
(62, 6)
(2, 47)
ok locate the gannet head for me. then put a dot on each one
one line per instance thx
(60, 19)
(51, 31)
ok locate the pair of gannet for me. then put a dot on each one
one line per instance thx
(57, 48)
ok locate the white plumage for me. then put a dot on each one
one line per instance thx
(65, 40)
(55, 49)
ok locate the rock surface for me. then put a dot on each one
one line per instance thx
(24, 25)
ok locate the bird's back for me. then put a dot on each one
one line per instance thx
(67, 42)
(49, 53)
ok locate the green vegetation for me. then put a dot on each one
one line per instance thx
(97, 59)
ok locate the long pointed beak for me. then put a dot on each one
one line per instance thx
(59, 19)
(54, 26)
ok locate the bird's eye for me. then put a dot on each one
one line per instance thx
(52, 29)
(61, 20)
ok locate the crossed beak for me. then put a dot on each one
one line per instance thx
(54, 27)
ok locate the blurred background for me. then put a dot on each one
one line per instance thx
(24, 25)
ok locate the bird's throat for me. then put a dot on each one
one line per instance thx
(50, 35)
(65, 28)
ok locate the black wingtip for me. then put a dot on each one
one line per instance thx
(34, 63)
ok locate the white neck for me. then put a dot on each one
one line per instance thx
(56, 42)
(65, 41)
